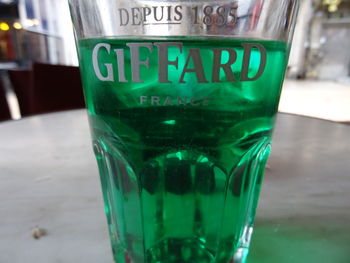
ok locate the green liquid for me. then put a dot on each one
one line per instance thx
(181, 180)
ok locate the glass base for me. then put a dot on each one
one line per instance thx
(182, 251)
(179, 250)
(183, 206)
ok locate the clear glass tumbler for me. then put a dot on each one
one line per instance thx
(182, 97)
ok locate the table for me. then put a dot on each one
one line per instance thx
(49, 180)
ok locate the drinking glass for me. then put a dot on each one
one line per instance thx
(182, 98)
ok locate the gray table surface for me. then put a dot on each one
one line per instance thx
(49, 179)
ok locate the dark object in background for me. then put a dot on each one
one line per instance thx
(47, 88)
(4, 109)
(56, 88)
(21, 80)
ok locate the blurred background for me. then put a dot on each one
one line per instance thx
(37, 44)
(36, 30)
